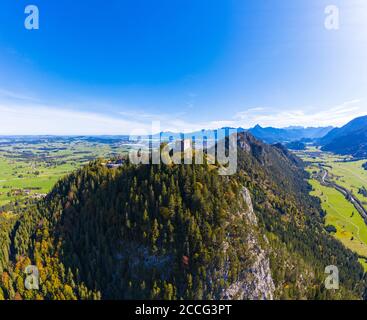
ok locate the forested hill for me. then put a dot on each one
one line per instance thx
(178, 231)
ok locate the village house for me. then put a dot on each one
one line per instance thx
(115, 164)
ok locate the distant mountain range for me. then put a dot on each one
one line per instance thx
(290, 134)
(350, 139)
(269, 134)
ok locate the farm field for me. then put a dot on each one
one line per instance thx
(344, 172)
(351, 229)
(30, 170)
(352, 176)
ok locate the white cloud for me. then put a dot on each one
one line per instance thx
(49, 120)
(310, 116)
(28, 118)
(18, 120)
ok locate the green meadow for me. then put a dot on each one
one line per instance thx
(352, 176)
(351, 229)
(21, 175)
(348, 174)
(31, 170)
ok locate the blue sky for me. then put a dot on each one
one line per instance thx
(114, 66)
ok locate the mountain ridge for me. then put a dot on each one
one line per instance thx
(269, 135)
(351, 139)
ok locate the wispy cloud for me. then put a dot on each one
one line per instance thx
(11, 95)
(22, 115)
(307, 116)
(18, 120)
(39, 119)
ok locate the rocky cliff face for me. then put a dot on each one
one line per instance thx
(255, 283)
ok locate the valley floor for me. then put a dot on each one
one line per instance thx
(327, 169)
(30, 170)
